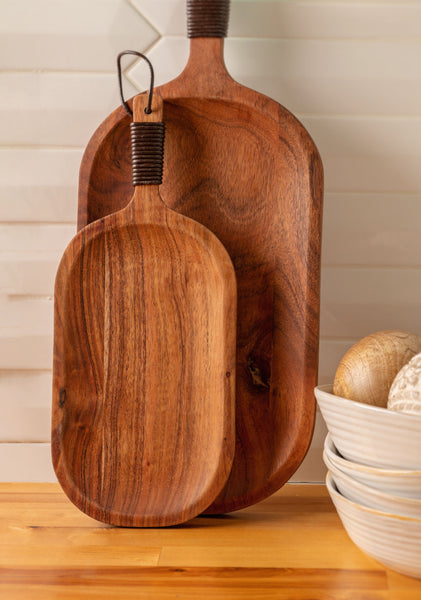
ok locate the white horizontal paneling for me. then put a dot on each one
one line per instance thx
(331, 76)
(28, 275)
(312, 468)
(312, 76)
(26, 462)
(29, 256)
(360, 301)
(330, 355)
(299, 19)
(61, 35)
(58, 109)
(25, 406)
(369, 154)
(26, 332)
(313, 19)
(372, 229)
(35, 238)
(39, 184)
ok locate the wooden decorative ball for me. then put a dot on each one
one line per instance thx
(366, 372)
(405, 393)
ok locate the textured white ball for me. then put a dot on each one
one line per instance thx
(405, 392)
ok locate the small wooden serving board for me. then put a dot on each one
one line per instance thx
(144, 365)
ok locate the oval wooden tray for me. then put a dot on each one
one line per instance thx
(243, 166)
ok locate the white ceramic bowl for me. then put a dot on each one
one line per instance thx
(397, 482)
(368, 496)
(371, 435)
(393, 540)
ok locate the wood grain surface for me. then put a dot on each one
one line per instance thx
(367, 370)
(243, 166)
(292, 546)
(144, 364)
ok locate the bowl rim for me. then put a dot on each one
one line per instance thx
(329, 445)
(374, 492)
(391, 414)
(335, 493)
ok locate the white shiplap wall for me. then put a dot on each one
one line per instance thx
(349, 70)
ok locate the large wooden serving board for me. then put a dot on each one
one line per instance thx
(245, 167)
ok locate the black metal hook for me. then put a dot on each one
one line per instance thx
(127, 108)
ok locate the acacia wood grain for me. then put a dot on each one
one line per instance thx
(243, 166)
(144, 364)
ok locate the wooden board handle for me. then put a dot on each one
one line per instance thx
(147, 134)
(207, 18)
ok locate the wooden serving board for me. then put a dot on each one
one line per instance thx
(245, 167)
(144, 363)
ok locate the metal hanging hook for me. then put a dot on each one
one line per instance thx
(127, 108)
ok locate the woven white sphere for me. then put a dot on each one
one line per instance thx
(405, 392)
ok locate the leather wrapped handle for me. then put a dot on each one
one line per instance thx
(207, 18)
(147, 152)
(147, 132)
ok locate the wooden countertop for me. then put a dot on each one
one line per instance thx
(292, 546)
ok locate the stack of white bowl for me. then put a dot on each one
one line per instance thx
(374, 479)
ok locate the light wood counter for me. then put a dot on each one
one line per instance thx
(292, 546)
